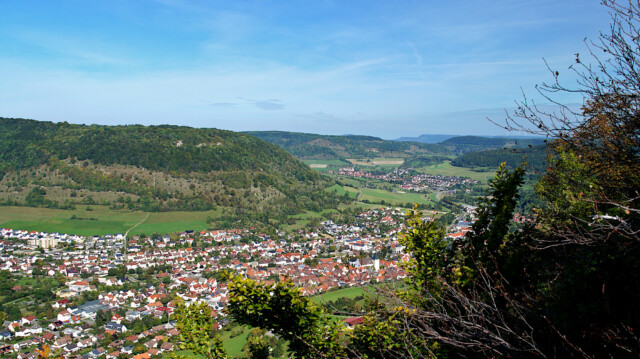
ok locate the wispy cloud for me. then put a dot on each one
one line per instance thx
(223, 104)
(416, 53)
(269, 105)
(75, 47)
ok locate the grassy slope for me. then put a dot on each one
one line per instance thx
(340, 293)
(234, 345)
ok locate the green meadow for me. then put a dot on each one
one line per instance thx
(100, 220)
(339, 163)
(446, 169)
(393, 198)
(341, 190)
(351, 292)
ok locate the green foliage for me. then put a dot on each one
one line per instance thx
(259, 345)
(425, 241)
(536, 158)
(495, 212)
(221, 169)
(422, 161)
(282, 309)
(197, 333)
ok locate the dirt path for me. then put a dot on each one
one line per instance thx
(135, 225)
(127, 233)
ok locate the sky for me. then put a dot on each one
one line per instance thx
(379, 68)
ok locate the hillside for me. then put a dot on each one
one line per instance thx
(535, 156)
(426, 138)
(463, 144)
(325, 147)
(154, 168)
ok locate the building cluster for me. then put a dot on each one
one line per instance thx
(141, 278)
(410, 180)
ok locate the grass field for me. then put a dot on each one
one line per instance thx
(340, 293)
(106, 220)
(325, 165)
(378, 161)
(354, 181)
(393, 198)
(234, 345)
(341, 190)
(446, 169)
(326, 162)
(169, 222)
(362, 206)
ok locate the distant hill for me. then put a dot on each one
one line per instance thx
(152, 168)
(464, 144)
(426, 138)
(535, 156)
(312, 146)
(325, 147)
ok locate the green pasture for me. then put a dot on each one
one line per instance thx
(354, 181)
(394, 198)
(233, 346)
(100, 220)
(446, 169)
(385, 162)
(338, 163)
(308, 215)
(169, 222)
(325, 165)
(350, 292)
(341, 190)
(361, 206)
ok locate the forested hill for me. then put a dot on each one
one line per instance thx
(463, 144)
(27, 143)
(535, 156)
(312, 146)
(426, 138)
(201, 168)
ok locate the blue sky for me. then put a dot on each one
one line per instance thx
(381, 68)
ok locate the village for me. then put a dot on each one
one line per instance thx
(115, 295)
(409, 180)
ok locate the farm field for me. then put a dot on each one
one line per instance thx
(394, 198)
(169, 222)
(342, 190)
(99, 220)
(325, 165)
(380, 161)
(446, 169)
